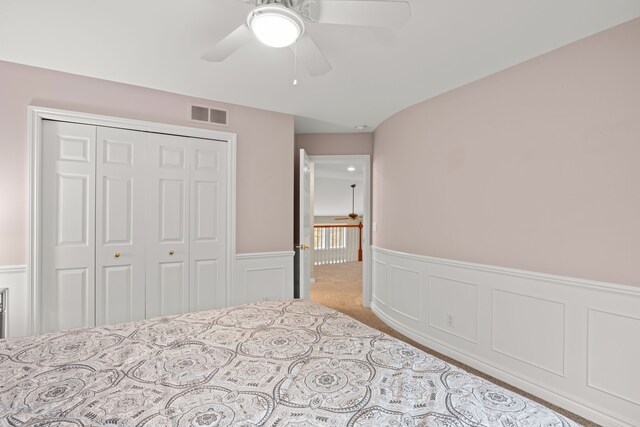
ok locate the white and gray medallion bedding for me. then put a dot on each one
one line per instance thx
(292, 363)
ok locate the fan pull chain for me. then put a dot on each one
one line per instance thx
(295, 63)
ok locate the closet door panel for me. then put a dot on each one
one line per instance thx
(74, 294)
(208, 211)
(68, 221)
(206, 285)
(167, 225)
(118, 301)
(120, 230)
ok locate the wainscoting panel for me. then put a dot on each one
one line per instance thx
(608, 352)
(453, 307)
(19, 312)
(529, 329)
(380, 281)
(404, 298)
(266, 283)
(263, 276)
(572, 342)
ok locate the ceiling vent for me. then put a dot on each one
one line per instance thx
(214, 116)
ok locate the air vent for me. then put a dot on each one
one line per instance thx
(200, 113)
(218, 116)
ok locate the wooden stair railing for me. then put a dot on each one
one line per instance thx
(333, 243)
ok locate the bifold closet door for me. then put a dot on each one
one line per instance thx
(208, 228)
(167, 225)
(68, 220)
(120, 226)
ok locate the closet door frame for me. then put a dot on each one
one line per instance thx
(36, 115)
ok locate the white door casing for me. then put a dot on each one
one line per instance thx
(68, 217)
(167, 225)
(120, 230)
(306, 225)
(208, 214)
(363, 161)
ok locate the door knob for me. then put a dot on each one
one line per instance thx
(302, 247)
(171, 252)
(117, 255)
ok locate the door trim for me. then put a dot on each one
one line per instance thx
(365, 162)
(35, 117)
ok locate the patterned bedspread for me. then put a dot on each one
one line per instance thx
(292, 363)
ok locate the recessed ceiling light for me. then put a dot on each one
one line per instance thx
(351, 169)
(274, 25)
(360, 127)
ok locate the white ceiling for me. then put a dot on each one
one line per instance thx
(376, 73)
(332, 189)
(338, 170)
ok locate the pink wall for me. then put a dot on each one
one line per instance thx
(536, 167)
(335, 143)
(264, 150)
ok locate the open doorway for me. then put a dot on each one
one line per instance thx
(340, 250)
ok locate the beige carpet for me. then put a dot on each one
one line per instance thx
(339, 286)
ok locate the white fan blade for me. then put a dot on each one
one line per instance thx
(368, 13)
(229, 44)
(309, 54)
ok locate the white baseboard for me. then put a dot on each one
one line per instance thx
(14, 277)
(263, 276)
(570, 341)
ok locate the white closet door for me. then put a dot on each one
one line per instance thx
(167, 223)
(208, 219)
(68, 215)
(120, 229)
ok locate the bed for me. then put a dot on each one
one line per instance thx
(288, 363)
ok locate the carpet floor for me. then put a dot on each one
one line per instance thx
(339, 286)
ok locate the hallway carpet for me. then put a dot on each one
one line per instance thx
(339, 286)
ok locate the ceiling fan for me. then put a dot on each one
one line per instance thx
(280, 23)
(353, 215)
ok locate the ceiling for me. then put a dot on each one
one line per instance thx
(339, 170)
(376, 72)
(332, 188)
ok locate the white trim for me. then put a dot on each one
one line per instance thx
(365, 162)
(12, 269)
(261, 255)
(563, 280)
(526, 383)
(35, 117)
(231, 214)
(566, 384)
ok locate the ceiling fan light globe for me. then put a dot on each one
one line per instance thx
(275, 26)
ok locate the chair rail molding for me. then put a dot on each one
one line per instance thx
(570, 341)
